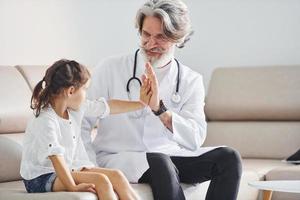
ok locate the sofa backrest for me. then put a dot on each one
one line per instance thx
(14, 101)
(16, 90)
(255, 110)
(14, 114)
(32, 73)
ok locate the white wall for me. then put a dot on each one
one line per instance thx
(227, 32)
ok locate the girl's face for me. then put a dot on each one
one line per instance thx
(77, 97)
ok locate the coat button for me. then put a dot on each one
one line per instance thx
(74, 137)
(70, 122)
(50, 145)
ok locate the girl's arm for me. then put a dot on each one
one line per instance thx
(122, 106)
(66, 178)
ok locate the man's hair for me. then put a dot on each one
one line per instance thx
(174, 17)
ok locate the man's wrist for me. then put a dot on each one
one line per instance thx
(161, 109)
(166, 119)
(156, 108)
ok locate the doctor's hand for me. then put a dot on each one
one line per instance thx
(154, 100)
(145, 91)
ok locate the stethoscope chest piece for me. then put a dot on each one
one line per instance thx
(176, 98)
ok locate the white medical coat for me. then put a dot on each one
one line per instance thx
(123, 140)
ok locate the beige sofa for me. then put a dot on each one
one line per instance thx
(253, 109)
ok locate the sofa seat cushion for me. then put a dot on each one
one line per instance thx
(267, 169)
(15, 191)
(10, 156)
(291, 172)
(253, 170)
(262, 166)
(245, 191)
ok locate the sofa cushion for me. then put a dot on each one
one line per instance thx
(32, 73)
(262, 166)
(16, 191)
(10, 156)
(254, 93)
(274, 140)
(291, 172)
(14, 101)
(11, 150)
(10, 145)
(246, 192)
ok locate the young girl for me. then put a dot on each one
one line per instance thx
(54, 158)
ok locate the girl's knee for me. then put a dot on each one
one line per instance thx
(101, 180)
(118, 175)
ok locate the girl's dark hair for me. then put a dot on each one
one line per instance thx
(62, 74)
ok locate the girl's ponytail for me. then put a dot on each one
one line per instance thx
(40, 97)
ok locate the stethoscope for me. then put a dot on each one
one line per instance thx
(175, 97)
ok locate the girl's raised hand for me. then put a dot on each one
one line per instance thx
(145, 91)
(154, 100)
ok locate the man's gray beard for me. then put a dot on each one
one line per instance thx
(159, 62)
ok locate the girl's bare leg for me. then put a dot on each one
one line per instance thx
(119, 182)
(103, 186)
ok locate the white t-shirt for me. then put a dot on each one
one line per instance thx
(49, 134)
(162, 72)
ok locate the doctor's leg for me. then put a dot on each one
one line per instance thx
(222, 166)
(162, 177)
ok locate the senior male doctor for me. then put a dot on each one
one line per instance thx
(161, 144)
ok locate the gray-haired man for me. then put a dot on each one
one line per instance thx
(160, 145)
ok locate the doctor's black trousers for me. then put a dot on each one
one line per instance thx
(222, 166)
